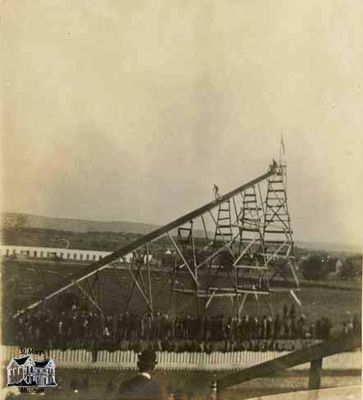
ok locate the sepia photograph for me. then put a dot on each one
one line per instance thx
(181, 199)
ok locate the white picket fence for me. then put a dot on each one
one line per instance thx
(182, 361)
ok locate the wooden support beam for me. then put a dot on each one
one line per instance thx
(147, 301)
(316, 352)
(185, 262)
(89, 297)
(209, 300)
(242, 304)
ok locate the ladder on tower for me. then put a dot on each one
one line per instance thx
(277, 232)
(223, 233)
(251, 243)
(277, 228)
(250, 223)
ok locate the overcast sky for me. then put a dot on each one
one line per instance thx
(132, 110)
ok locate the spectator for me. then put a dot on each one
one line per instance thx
(142, 386)
(77, 328)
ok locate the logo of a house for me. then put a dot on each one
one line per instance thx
(25, 372)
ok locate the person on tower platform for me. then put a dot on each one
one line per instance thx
(274, 165)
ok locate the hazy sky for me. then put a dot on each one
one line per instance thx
(132, 110)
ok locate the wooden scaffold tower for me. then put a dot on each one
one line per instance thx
(237, 245)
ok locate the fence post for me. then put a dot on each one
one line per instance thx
(315, 374)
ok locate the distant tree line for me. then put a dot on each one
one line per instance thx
(318, 266)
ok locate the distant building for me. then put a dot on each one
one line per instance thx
(339, 266)
(24, 371)
(56, 254)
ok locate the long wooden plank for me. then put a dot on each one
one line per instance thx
(345, 342)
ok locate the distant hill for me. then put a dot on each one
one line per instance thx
(329, 246)
(18, 220)
(80, 225)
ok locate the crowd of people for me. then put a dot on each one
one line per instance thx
(77, 328)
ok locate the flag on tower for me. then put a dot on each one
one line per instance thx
(282, 145)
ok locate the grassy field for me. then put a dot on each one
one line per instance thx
(25, 282)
